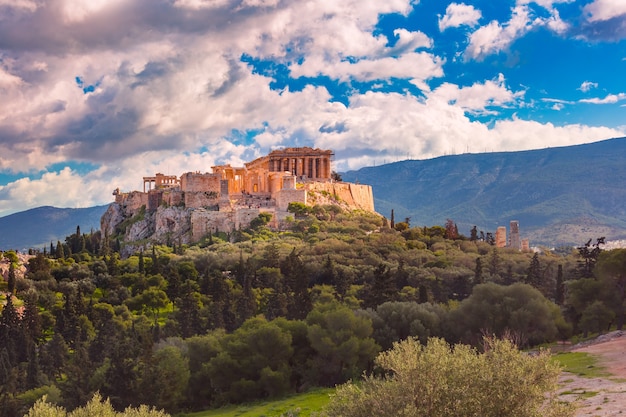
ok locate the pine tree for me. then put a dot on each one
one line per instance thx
(533, 277)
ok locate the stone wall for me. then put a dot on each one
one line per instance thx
(355, 196)
(130, 203)
(284, 197)
(195, 182)
(201, 199)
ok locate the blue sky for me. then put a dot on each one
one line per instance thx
(96, 94)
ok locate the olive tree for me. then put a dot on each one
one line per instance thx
(439, 380)
(96, 407)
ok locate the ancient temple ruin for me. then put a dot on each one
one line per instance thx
(229, 197)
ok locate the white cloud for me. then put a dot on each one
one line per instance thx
(26, 5)
(495, 37)
(200, 4)
(587, 85)
(600, 10)
(479, 97)
(8, 80)
(609, 99)
(547, 4)
(169, 88)
(415, 66)
(459, 14)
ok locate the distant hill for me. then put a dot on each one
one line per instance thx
(38, 227)
(560, 195)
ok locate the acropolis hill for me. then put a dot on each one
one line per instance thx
(188, 207)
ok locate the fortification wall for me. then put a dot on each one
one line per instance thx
(201, 199)
(196, 182)
(284, 197)
(173, 198)
(132, 202)
(356, 196)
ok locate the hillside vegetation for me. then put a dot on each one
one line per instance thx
(259, 314)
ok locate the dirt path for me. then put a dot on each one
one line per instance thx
(600, 397)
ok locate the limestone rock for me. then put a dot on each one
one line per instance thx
(112, 217)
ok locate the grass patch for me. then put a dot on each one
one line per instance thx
(582, 364)
(305, 404)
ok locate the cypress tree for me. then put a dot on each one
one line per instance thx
(142, 267)
(559, 294)
(11, 278)
(478, 272)
(60, 253)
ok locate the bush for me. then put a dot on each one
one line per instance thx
(440, 380)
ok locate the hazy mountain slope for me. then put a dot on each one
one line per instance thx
(559, 195)
(39, 226)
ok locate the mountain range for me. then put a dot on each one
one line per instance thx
(36, 228)
(559, 196)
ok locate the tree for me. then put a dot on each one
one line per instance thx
(611, 272)
(589, 256)
(478, 272)
(342, 343)
(517, 310)
(474, 234)
(11, 280)
(452, 232)
(165, 378)
(381, 287)
(559, 291)
(533, 276)
(253, 362)
(440, 380)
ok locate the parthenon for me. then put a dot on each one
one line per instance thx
(274, 180)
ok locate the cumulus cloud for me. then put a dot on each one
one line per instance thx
(143, 86)
(479, 98)
(496, 37)
(459, 14)
(605, 10)
(587, 85)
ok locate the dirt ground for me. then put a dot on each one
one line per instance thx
(600, 397)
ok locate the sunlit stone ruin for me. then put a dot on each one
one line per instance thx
(228, 197)
(515, 241)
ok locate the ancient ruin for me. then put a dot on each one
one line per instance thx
(514, 240)
(228, 197)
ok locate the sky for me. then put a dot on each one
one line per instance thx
(96, 94)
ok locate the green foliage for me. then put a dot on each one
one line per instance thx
(395, 321)
(440, 380)
(342, 342)
(253, 362)
(94, 323)
(298, 209)
(518, 311)
(96, 407)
